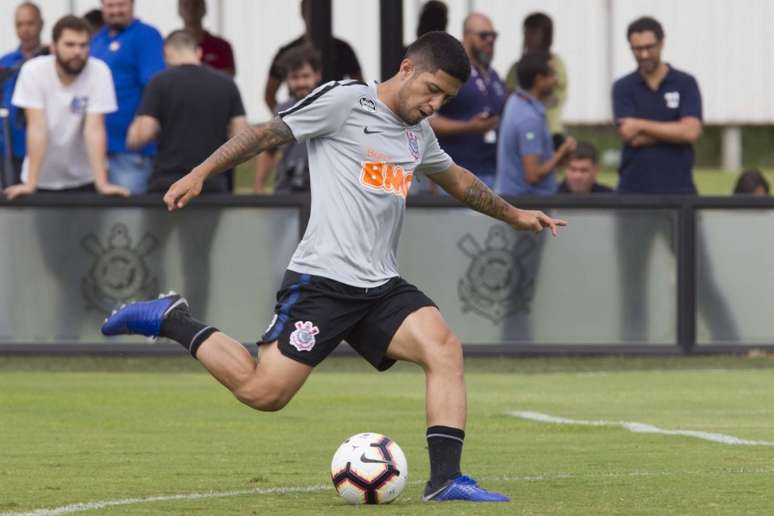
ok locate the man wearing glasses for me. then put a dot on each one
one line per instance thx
(467, 125)
(658, 111)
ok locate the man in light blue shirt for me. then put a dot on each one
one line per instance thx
(526, 160)
(134, 52)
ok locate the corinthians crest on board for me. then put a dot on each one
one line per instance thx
(497, 283)
(119, 273)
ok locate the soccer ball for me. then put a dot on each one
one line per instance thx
(369, 468)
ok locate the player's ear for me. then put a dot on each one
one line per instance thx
(407, 68)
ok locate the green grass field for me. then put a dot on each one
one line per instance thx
(80, 431)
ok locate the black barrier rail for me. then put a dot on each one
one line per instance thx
(685, 209)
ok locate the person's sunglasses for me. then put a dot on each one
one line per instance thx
(487, 34)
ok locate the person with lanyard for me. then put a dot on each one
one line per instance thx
(134, 52)
(29, 24)
(467, 125)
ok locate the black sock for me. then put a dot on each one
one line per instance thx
(187, 331)
(445, 447)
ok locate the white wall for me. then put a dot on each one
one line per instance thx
(724, 43)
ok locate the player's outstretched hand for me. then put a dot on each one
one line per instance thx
(182, 191)
(537, 221)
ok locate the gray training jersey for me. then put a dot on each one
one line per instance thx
(362, 159)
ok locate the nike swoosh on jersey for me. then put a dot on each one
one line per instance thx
(365, 130)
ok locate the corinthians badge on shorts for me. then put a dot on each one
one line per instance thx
(497, 283)
(303, 337)
(413, 144)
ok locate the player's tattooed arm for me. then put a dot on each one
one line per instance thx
(481, 198)
(471, 191)
(241, 147)
(246, 144)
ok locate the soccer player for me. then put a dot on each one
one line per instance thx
(366, 141)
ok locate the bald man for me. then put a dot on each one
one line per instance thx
(467, 126)
(29, 24)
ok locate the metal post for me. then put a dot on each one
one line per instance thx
(8, 171)
(686, 275)
(732, 149)
(321, 28)
(391, 35)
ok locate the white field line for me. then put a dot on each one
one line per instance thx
(92, 506)
(546, 477)
(641, 428)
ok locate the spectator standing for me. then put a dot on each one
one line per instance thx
(191, 110)
(582, 171)
(526, 161)
(216, 51)
(65, 97)
(538, 31)
(345, 63)
(29, 24)
(526, 164)
(753, 182)
(658, 111)
(301, 69)
(467, 125)
(134, 53)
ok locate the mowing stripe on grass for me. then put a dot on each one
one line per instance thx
(641, 428)
(92, 506)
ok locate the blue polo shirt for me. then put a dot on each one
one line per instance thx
(523, 132)
(134, 56)
(665, 167)
(480, 94)
(18, 133)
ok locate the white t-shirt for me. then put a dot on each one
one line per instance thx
(65, 162)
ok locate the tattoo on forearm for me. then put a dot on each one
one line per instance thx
(250, 142)
(479, 197)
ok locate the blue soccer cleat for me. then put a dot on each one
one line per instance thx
(466, 489)
(143, 318)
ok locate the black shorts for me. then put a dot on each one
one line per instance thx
(314, 314)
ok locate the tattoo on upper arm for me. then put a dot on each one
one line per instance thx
(479, 197)
(250, 142)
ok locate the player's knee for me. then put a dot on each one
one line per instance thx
(444, 353)
(263, 399)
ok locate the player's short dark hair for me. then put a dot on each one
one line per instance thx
(181, 39)
(646, 24)
(433, 16)
(750, 180)
(530, 66)
(585, 150)
(542, 23)
(69, 22)
(296, 57)
(438, 50)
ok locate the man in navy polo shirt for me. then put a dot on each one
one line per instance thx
(658, 111)
(467, 126)
(29, 24)
(134, 52)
